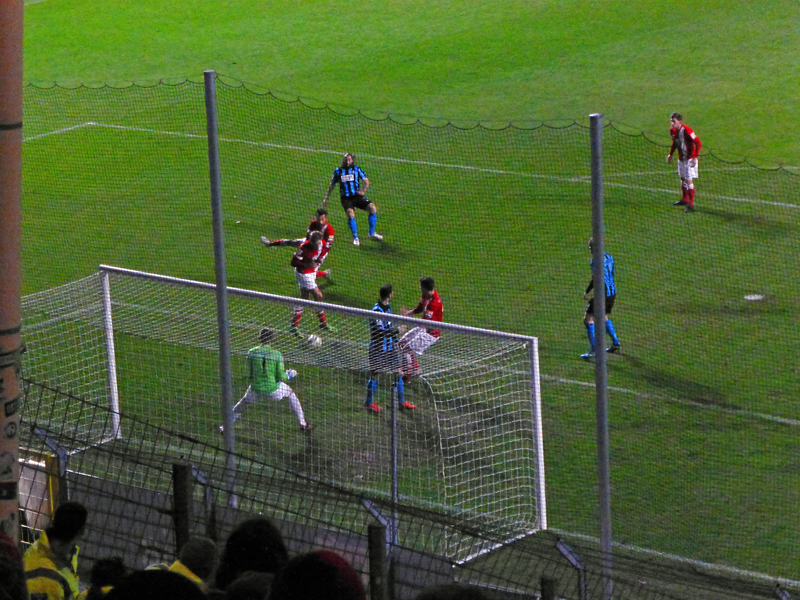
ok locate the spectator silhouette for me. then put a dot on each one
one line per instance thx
(106, 574)
(155, 585)
(255, 545)
(321, 575)
(250, 586)
(51, 564)
(12, 571)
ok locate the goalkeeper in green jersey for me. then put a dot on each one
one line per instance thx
(268, 379)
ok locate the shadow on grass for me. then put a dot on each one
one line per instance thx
(385, 249)
(762, 223)
(670, 383)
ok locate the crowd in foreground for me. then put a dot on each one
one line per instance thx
(254, 565)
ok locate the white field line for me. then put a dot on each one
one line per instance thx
(711, 567)
(339, 153)
(670, 171)
(730, 411)
(57, 131)
(580, 179)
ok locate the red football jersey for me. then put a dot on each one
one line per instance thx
(327, 236)
(431, 309)
(685, 141)
(307, 257)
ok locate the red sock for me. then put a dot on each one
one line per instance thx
(691, 197)
(322, 319)
(298, 314)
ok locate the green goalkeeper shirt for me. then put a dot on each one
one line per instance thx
(265, 369)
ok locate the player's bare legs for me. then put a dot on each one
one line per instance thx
(298, 310)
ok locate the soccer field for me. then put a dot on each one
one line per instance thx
(701, 429)
(729, 68)
(702, 426)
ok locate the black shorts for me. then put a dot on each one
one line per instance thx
(380, 360)
(356, 201)
(609, 305)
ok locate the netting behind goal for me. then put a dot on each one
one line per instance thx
(472, 447)
(67, 349)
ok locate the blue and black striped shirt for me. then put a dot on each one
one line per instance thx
(608, 276)
(382, 332)
(348, 179)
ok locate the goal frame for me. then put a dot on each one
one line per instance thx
(530, 341)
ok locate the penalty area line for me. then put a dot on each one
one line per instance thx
(577, 179)
(58, 131)
(684, 401)
(339, 153)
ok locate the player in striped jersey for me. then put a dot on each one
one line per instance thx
(349, 176)
(611, 296)
(384, 353)
(688, 145)
(319, 224)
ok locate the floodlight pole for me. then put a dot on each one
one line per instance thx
(600, 374)
(11, 19)
(223, 322)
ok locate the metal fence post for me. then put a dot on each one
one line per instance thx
(548, 587)
(181, 499)
(376, 544)
(223, 323)
(600, 374)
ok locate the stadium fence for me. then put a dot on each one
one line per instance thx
(701, 399)
(128, 485)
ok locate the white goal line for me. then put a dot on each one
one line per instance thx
(727, 410)
(711, 567)
(580, 179)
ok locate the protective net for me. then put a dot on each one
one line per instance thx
(499, 215)
(467, 446)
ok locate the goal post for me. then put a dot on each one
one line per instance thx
(69, 341)
(473, 447)
(108, 329)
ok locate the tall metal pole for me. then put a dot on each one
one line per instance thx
(600, 375)
(225, 380)
(394, 466)
(11, 15)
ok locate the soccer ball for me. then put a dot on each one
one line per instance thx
(314, 341)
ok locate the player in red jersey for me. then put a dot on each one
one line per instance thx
(419, 339)
(322, 224)
(306, 262)
(688, 145)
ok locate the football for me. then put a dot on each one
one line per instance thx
(314, 341)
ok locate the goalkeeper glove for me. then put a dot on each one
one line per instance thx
(291, 374)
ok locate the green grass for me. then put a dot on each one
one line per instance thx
(730, 68)
(508, 252)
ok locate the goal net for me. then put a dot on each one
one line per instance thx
(472, 447)
(69, 348)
